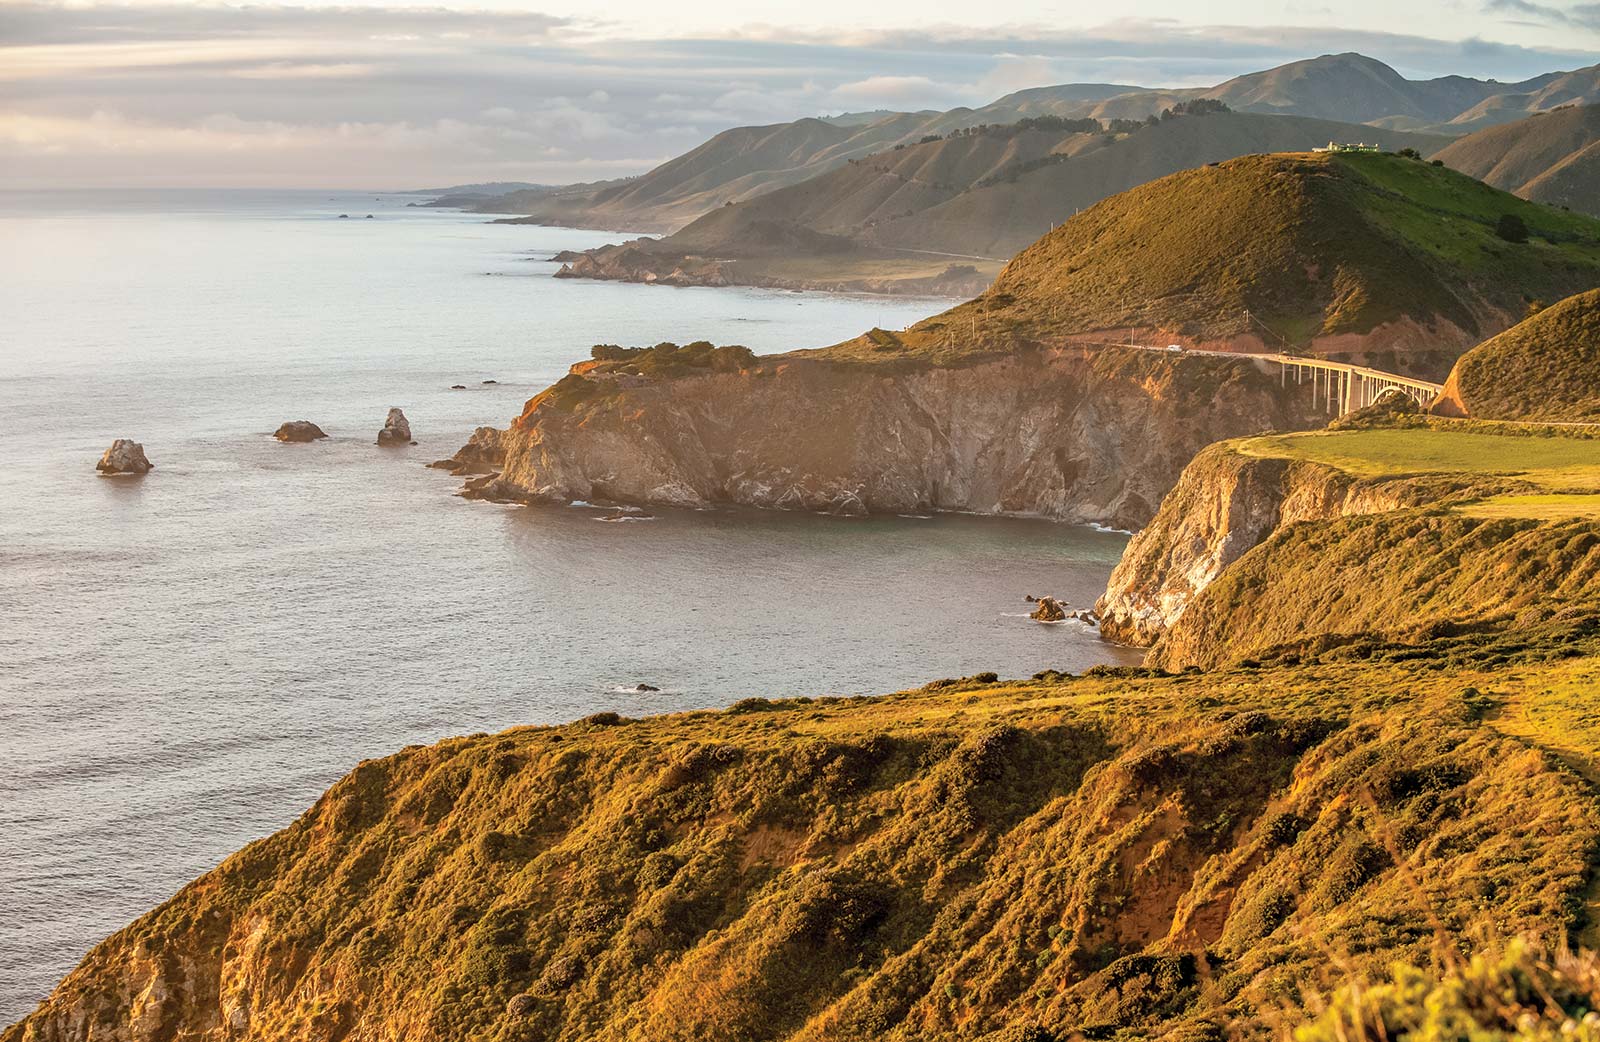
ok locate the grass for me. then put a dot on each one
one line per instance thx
(1546, 367)
(1553, 506)
(1119, 852)
(1560, 462)
(1453, 217)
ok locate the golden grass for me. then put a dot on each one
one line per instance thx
(1550, 506)
(1558, 463)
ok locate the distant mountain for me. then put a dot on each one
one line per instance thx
(480, 188)
(1551, 158)
(742, 163)
(1354, 88)
(736, 164)
(970, 200)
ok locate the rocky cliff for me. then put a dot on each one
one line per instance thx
(1078, 435)
(1225, 504)
(1258, 552)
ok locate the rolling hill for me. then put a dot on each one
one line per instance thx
(1552, 157)
(1544, 368)
(972, 199)
(745, 162)
(1364, 256)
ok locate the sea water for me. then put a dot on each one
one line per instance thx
(188, 659)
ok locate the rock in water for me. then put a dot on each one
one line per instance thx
(396, 429)
(124, 457)
(299, 430)
(1049, 610)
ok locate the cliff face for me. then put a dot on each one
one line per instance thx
(955, 864)
(1250, 556)
(1224, 505)
(1084, 436)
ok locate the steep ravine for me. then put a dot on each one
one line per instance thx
(1076, 435)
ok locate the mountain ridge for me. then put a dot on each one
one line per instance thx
(1325, 87)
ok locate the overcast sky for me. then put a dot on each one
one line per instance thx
(380, 95)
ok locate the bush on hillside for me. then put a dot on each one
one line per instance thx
(1511, 228)
(668, 359)
(1516, 993)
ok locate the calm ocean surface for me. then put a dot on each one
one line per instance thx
(188, 660)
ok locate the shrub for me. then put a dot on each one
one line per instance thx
(559, 974)
(1515, 993)
(1511, 228)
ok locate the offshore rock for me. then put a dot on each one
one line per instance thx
(299, 431)
(483, 453)
(1049, 610)
(124, 457)
(396, 430)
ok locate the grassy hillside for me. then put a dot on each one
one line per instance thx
(1550, 158)
(1551, 461)
(1195, 857)
(1398, 576)
(1545, 368)
(985, 196)
(1287, 251)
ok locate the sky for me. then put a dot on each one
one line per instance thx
(375, 94)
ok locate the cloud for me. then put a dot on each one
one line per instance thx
(96, 93)
(1585, 16)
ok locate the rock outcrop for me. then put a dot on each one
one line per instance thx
(124, 457)
(1047, 609)
(396, 430)
(1077, 435)
(299, 431)
(484, 453)
(644, 261)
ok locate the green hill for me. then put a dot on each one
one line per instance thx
(1367, 256)
(1545, 368)
(1550, 158)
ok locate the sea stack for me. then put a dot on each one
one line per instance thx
(396, 430)
(299, 431)
(125, 456)
(1049, 610)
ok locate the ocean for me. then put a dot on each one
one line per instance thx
(189, 659)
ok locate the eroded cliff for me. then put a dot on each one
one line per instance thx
(1225, 504)
(1080, 435)
(1266, 546)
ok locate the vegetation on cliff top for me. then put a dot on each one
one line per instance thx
(1120, 853)
(1287, 248)
(1547, 367)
